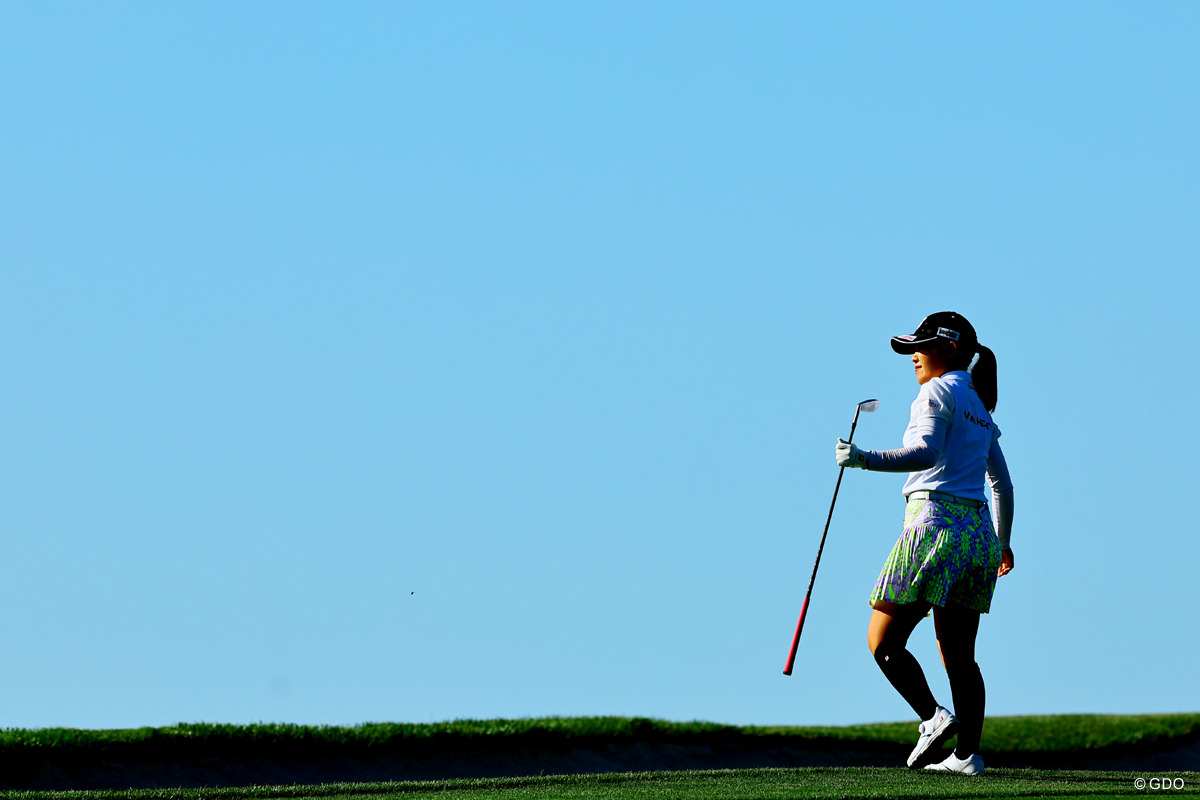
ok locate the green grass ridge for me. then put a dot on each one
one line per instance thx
(1059, 734)
(64, 749)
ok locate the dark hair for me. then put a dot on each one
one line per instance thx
(983, 376)
(983, 371)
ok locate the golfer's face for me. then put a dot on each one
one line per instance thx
(928, 365)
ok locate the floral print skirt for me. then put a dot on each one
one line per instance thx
(948, 553)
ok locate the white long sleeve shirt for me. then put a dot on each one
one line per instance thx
(951, 445)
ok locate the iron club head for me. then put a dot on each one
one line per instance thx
(869, 406)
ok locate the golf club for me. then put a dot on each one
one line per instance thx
(869, 406)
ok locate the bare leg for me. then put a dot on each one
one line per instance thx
(957, 628)
(887, 636)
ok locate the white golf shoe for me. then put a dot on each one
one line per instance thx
(964, 766)
(934, 733)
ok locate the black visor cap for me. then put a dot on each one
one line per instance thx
(944, 325)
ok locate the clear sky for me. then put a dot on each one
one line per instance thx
(420, 361)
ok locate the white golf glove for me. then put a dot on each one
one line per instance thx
(848, 455)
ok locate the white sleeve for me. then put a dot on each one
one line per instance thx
(936, 400)
(918, 457)
(931, 413)
(1002, 493)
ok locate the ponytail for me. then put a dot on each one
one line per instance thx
(983, 376)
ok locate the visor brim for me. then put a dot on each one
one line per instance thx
(908, 344)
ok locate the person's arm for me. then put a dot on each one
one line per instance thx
(1002, 503)
(931, 415)
(931, 431)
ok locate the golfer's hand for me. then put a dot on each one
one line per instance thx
(1006, 563)
(848, 455)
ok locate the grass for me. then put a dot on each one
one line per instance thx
(1046, 734)
(58, 751)
(1068, 733)
(849, 783)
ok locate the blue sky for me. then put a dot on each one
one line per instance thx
(420, 361)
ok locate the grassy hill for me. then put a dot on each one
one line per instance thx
(235, 755)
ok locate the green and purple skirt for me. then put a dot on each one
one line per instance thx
(948, 554)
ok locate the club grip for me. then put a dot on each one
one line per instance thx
(796, 639)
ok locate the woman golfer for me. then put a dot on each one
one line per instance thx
(949, 555)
